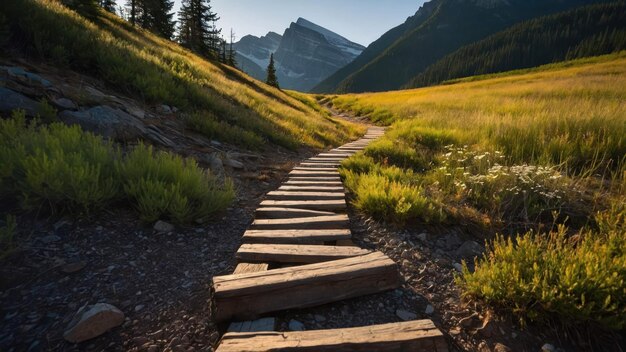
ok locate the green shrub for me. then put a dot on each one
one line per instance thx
(378, 195)
(389, 152)
(7, 233)
(165, 185)
(57, 166)
(538, 277)
(65, 169)
(359, 163)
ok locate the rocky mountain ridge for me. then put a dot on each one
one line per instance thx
(305, 54)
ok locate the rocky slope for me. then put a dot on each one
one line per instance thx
(305, 54)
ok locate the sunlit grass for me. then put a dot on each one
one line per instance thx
(161, 72)
(538, 152)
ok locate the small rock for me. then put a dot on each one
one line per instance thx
(93, 321)
(423, 237)
(164, 109)
(50, 239)
(233, 163)
(64, 104)
(163, 227)
(406, 315)
(501, 348)
(319, 318)
(473, 321)
(73, 267)
(469, 250)
(295, 325)
(548, 348)
(458, 267)
(406, 255)
(139, 307)
(429, 309)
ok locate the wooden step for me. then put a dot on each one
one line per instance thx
(296, 195)
(414, 336)
(312, 188)
(309, 182)
(314, 178)
(245, 296)
(325, 159)
(334, 155)
(288, 213)
(313, 168)
(307, 173)
(324, 205)
(321, 165)
(243, 268)
(296, 236)
(340, 221)
(289, 253)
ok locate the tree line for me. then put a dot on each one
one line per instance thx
(586, 31)
(196, 28)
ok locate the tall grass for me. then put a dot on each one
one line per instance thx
(571, 114)
(160, 72)
(537, 152)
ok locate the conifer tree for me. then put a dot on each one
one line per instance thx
(162, 18)
(197, 28)
(272, 80)
(108, 5)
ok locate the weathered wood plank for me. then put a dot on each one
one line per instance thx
(243, 268)
(321, 165)
(307, 173)
(324, 205)
(287, 253)
(296, 236)
(312, 188)
(414, 336)
(288, 213)
(314, 178)
(338, 221)
(297, 195)
(244, 296)
(312, 183)
(325, 159)
(312, 168)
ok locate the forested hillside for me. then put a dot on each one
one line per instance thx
(586, 31)
(450, 24)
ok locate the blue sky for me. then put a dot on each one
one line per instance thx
(361, 21)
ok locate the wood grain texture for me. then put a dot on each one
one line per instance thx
(324, 205)
(245, 296)
(288, 253)
(339, 221)
(304, 195)
(288, 213)
(296, 236)
(414, 336)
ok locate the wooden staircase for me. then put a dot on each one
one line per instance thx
(298, 253)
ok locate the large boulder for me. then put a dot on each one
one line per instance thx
(93, 321)
(106, 121)
(11, 100)
(29, 78)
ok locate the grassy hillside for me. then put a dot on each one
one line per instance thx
(539, 156)
(450, 24)
(585, 31)
(220, 101)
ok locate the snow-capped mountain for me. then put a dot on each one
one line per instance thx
(305, 54)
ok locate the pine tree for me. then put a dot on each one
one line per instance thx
(87, 8)
(197, 28)
(162, 18)
(108, 5)
(132, 10)
(272, 80)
